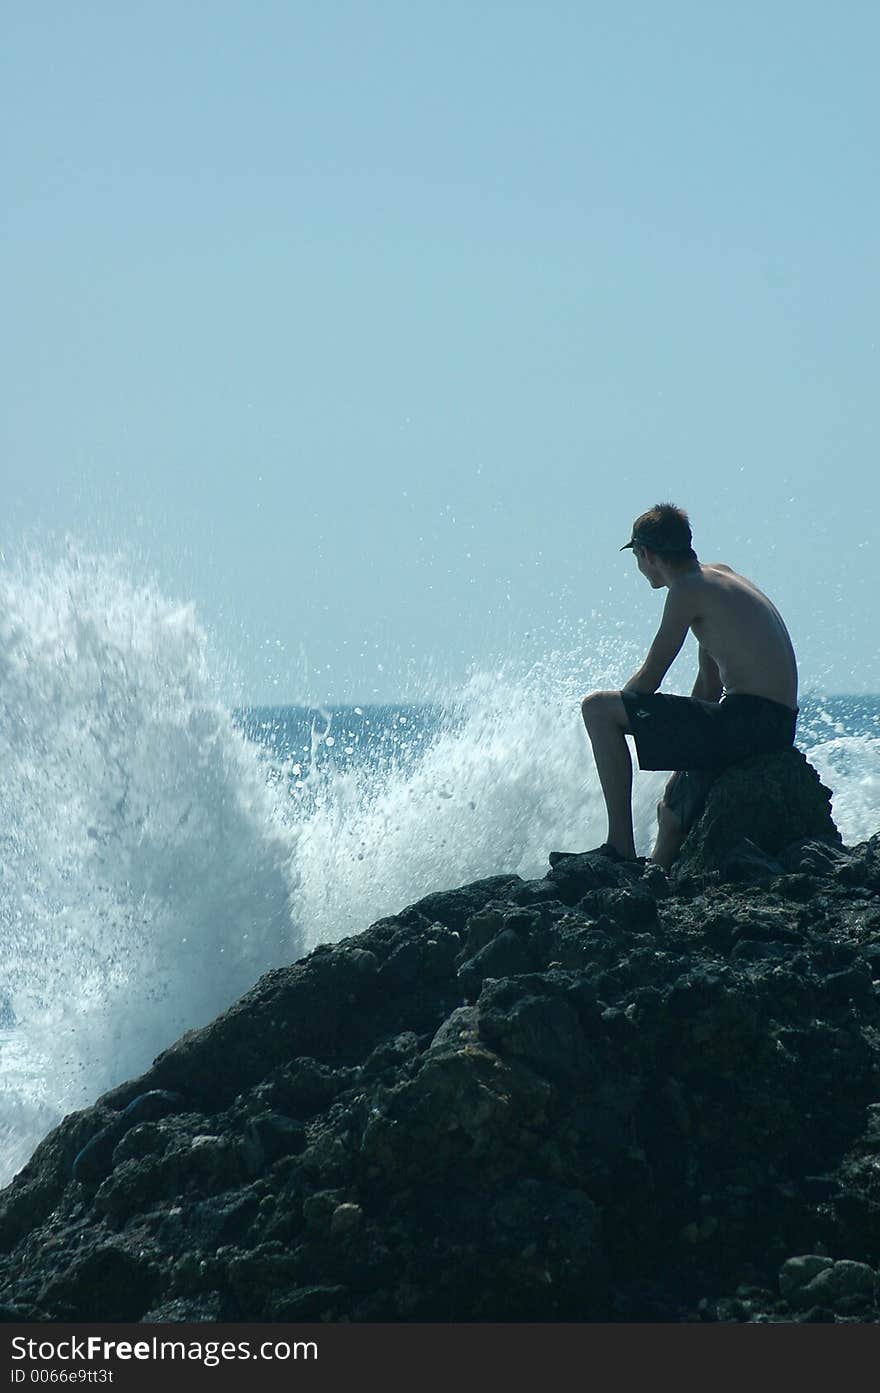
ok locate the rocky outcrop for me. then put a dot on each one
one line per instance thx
(607, 1094)
(753, 811)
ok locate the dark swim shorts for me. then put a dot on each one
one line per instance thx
(700, 738)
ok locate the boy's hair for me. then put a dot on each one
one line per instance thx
(666, 530)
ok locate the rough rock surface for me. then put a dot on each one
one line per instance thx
(602, 1095)
(767, 802)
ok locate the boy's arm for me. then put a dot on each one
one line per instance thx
(708, 686)
(677, 616)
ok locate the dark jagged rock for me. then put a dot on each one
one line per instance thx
(753, 811)
(610, 1094)
(96, 1158)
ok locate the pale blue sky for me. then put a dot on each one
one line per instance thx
(371, 326)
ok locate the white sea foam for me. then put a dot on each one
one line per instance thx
(154, 863)
(146, 878)
(506, 779)
(850, 767)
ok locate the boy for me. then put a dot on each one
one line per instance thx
(744, 701)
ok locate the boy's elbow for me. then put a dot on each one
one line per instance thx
(647, 682)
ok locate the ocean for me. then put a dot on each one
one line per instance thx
(160, 847)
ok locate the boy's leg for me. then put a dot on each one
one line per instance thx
(684, 799)
(670, 836)
(607, 725)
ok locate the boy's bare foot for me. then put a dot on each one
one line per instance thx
(606, 849)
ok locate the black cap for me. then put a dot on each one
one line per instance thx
(664, 529)
(639, 540)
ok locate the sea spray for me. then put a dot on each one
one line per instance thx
(147, 879)
(506, 778)
(850, 766)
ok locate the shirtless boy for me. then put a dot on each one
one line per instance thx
(744, 700)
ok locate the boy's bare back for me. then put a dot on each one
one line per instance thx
(741, 629)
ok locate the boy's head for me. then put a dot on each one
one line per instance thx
(664, 533)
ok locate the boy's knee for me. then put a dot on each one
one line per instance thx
(597, 707)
